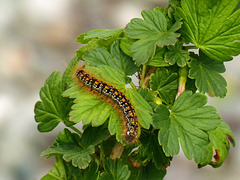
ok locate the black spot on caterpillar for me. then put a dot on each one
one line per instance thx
(109, 93)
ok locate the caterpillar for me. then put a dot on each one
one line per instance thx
(115, 96)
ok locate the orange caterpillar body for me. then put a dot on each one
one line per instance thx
(116, 97)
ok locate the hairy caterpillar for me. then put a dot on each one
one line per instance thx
(130, 121)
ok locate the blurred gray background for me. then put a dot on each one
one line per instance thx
(38, 37)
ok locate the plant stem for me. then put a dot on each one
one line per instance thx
(133, 85)
(146, 81)
(143, 74)
(183, 72)
(190, 47)
(76, 130)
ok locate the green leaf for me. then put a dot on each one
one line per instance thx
(109, 75)
(150, 172)
(220, 139)
(164, 112)
(94, 135)
(177, 55)
(57, 172)
(90, 108)
(211, 26)
(154, 151)
(126, 44)
(53, 108)
(97, 38)
(190, 85)
(151, 32)
(115, 170)
(174, 3)
(67, 77)
(142, 108)
(146, 94)
(115, 126)
(98, 56)
(158, 60)
(238, 6)
(98, 34)
(189, 121)
(206, 72)
(83, 174)
(165, 83)
(94, 43)
(63, 170)
(67, 145)
(124, 63)
(116, 59)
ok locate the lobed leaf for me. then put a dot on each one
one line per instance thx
(53, 107)
(220, 139)
(211, 26)
(177, 55)
(150, 32)
(189, 121)
(64, 171)
(153, 150)
(94, 135)
(206, 72)
(165, 84)
(115, 170)
(67, 145)
(149, 172)
(91, 109)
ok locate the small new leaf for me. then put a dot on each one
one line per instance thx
(115, 170)
(206, 72)
(189, 121)
(211, 26)
(177, 55)
(165, 83)
(151, 31)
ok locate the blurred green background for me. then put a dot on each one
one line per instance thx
(38, 37)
